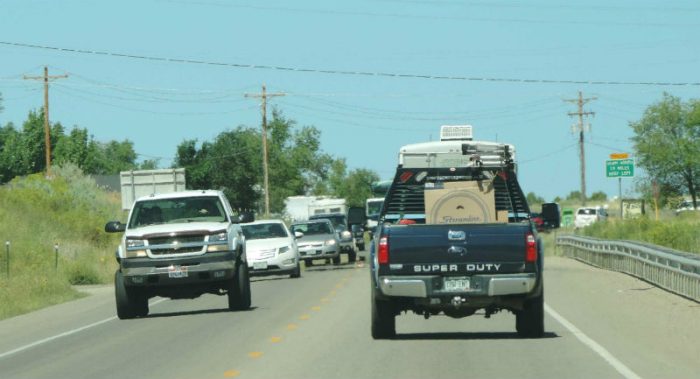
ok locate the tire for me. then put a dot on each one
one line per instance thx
(239, 289)
(352, 256)
(297, 271)
(529, 322)
(383, 319)
(336, 260)
(309, 262)
(126, 303)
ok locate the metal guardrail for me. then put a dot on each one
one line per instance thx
(672, 270)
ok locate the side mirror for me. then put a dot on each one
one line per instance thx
(115, 227)
(298, 235)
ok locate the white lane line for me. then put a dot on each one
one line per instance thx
(600, 350)
(64, 334)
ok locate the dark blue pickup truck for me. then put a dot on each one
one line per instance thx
(429, 267)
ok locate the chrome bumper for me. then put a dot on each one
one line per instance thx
(481, 285)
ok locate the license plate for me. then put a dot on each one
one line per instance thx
(177, 272)
(260, 265)
(456, 285)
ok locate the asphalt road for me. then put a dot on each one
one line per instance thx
(599, 325)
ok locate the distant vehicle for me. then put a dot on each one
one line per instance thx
(373, 206)
(358, 233)
(588, 215)
(180, 245)
(686, 205)
(567, 217)
(300, 208)
(551, 216)
(537, 220)
(271, 248)
(138, 183)
(342, 229)
(318, 241)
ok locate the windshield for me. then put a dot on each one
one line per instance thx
(312, 228)
(264, 231)
(374, 208)
(172, 211)
(338, 221)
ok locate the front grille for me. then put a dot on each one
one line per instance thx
(183, 250)
(176, 239)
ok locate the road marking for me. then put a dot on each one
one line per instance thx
(304, 317)
(325, 300)
(292, 326)
(332, 293)
(64, 334)
(255, 354)
(316, 308)
(597, 348)
(276, 339)
(231, 373)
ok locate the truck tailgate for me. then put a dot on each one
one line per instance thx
(457, 249)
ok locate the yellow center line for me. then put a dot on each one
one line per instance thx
(276, 339)
(231, 373)
(255, 354)
(304, 317)
(325, 300)
(292, 326)
(316, 308)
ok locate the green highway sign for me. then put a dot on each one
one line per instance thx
(619, 168)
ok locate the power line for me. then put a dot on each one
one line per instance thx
(347, 72)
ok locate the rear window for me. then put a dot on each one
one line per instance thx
(586, 211)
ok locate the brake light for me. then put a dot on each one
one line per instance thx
(383, 251)
(530, 248)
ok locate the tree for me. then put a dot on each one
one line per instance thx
(357, 187)
(599, 196)
(532, 198)
(667, 144)
(573, 195)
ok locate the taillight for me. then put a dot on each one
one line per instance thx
(383, 251)
(530, 248)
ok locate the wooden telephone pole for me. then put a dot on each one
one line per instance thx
(580, 127)
(264, 95)
(47, 130)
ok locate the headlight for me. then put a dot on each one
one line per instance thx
(284, 249)
(346, 234)
(330, 242)
(218, 242)
(135, 248)
(133, 243)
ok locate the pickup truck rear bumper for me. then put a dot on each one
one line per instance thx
(479, 285)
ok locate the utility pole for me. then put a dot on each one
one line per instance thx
(581, 101)
(47, 130)
(264, 95)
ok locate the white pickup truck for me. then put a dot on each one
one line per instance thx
(180, 245)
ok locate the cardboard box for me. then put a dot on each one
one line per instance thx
(467, 202)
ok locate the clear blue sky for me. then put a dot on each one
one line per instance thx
(157, 104)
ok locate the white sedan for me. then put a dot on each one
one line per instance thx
(271, 249)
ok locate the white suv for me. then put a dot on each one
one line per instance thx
(587, 215)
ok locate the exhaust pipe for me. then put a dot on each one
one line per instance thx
(457, 301)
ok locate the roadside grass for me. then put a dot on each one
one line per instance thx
(36, 216)
(677, 232)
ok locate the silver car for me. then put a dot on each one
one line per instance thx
(319, 241)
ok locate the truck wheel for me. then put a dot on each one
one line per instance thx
(125, 299)
(297, 271)
(336, 260)
(352, 256)
(239, 289)
(383, 319)
(529, 322)
(309, 262)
